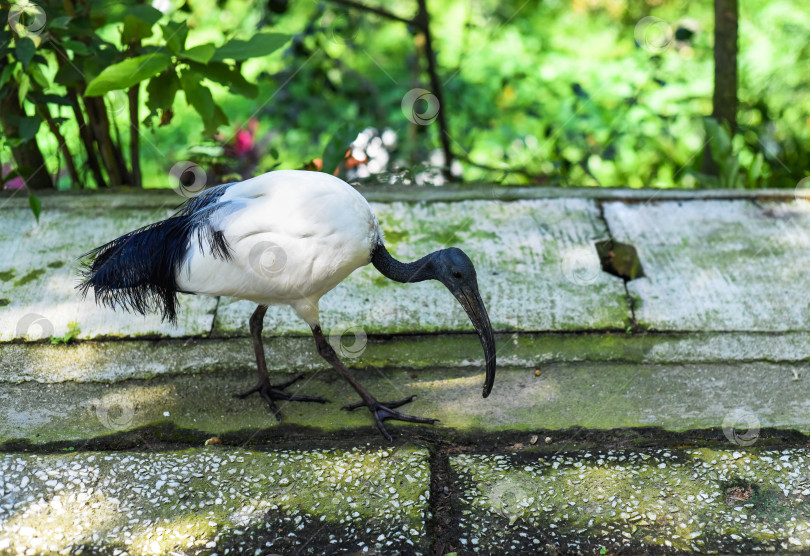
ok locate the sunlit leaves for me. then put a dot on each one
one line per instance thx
(260, 44)
(124, 75)
(200, 98)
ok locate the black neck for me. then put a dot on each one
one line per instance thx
(389, 267)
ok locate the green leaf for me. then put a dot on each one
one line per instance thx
(260, 44)
(135, 29)
(222, 73)
(36, 206)
(175, 36)
(28, 127)
(77, 47)
(124, 75)
(5, 75)
(199, 96)
(59, 22)
(161, 91)
(200, 54)
(39, 77)
(335, 150)
(119, 11)
(24, 81)
(67, 74)
(25, 51)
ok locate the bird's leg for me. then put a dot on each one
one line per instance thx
(270, 392)
(380, 410)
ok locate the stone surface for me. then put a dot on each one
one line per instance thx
(537, 270)
(38, 275)
(142, 359)
(718, 265)
(536, 266)
(594, 395)
(625, 502)
(203, 501)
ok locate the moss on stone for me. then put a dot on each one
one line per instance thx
(30, 277)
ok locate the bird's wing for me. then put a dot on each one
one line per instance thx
(291, 234)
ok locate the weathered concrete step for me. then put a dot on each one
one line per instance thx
(718, 265)
(703, 501)
(215, 500)
(537, 270)
(674, 397)
(113, 361)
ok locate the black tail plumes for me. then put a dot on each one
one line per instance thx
(137, 271)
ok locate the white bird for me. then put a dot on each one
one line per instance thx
(284, 237)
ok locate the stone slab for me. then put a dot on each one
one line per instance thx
(660, 501)
(594, 395)
(537, 270)
(718, 265)
(536, 265)
(38, 275)
(204, 501)
(144, 359)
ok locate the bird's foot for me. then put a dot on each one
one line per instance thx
(385, 410)
(273, 392)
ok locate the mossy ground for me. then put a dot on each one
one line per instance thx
(195, 501)
(699, 500)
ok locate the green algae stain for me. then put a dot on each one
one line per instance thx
(56, 264)
(7, 275)
(393, 237)
(30, 277)
(4, 301)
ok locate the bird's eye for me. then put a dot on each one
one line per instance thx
(456, 274)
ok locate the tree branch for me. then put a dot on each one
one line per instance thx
(379, 11)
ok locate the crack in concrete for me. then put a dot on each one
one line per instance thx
(631, 303)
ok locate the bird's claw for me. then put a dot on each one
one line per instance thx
(385, 410)
(272, 392)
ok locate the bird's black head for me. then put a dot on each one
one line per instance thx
(453, 268)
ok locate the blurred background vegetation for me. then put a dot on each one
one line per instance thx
(546, 92)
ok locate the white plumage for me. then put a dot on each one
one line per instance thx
(293, 235)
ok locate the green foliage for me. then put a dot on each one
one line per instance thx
(127, 73)
(73, 332)
(557, 93)
(260, 44)
(105, 47)
(36, 206)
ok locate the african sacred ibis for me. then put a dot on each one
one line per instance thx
(318, 228)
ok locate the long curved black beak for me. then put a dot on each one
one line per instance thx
(471, 300)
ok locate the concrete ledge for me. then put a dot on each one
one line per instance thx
(599, 396)
(151, 198)
(116, 361)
